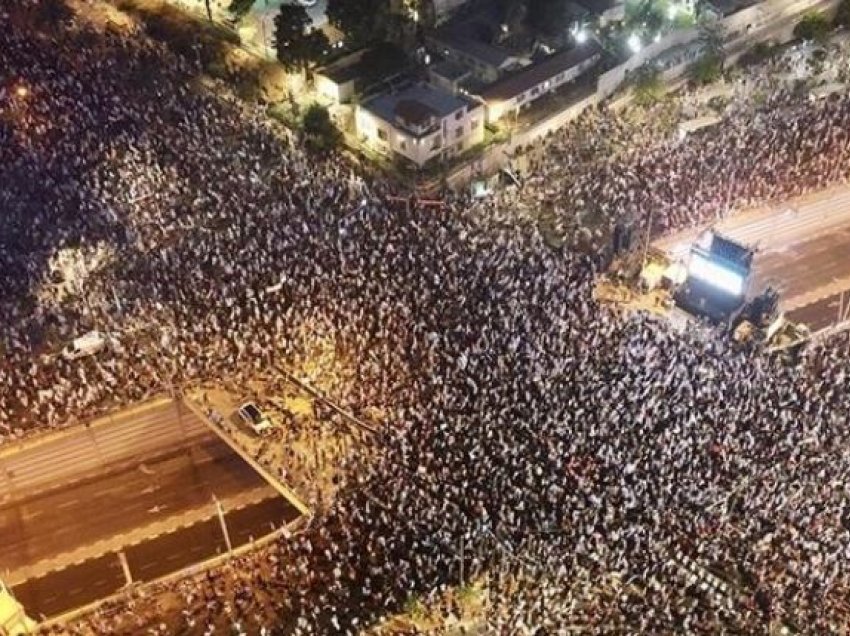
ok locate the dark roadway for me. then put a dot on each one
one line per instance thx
(810, 276)
(110, 483)
(806, 266)
(153, 490)
(78, 585)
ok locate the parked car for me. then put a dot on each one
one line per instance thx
(88, 345)
(255, 419)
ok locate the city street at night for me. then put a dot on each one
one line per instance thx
(143, 483)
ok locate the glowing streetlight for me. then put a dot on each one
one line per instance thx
(580, 35)
(22, 91)
(634, 42)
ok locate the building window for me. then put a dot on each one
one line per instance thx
(436, 142)
(403, 145)
(382, 134)
(474, 124)
(459, 114)
(458, 132)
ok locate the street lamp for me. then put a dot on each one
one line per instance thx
(22, 91)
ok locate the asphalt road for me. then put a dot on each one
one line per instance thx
(819, 314)
(113, 503)
(72, 587)
(803, 249)
(83, 451)
(64, 590)
(807, 272)
(70, 502)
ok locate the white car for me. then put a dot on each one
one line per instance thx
(254, 418)
(88, 345)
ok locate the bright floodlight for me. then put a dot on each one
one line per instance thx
(22, 91)
(580, 35)
(634, 42)
(715, 275)
(672, 10)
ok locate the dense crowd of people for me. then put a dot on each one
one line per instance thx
(776, 141)
(603, 472)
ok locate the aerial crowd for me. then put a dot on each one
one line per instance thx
(602, 472)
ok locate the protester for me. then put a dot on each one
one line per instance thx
(603, 472)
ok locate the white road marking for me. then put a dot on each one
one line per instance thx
(69, 504)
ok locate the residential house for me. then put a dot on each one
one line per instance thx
(420, 123)
(520, 89)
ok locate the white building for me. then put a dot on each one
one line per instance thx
(420, 123)
(520, 89)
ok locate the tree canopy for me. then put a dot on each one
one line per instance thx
(648, 86)
(297, 45)
(550, 16)
(814, 26)
(320, 132)
(842, 14)
(361, 21)
(240, 8)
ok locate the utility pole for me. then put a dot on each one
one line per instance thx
(209, 10)
(462, 544)
(128, 576)
(220, 511)
(646, 243)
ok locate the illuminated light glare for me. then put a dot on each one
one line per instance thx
(22, 91)
(672, 10)
(634, 42)
(657, 37)
(715, 275)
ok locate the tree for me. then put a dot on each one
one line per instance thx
(707, 69)
(361, 21)
(549, 16)
(814, 26)
(53, 14)
(711, 37)
(649, 88)
(320, 132)
(645, 17)
(297, 46)
(842, 15)
(760, 52)
(240, 8)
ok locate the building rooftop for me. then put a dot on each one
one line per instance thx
(450, 70)
(415, 105)
(531, 76)
(343, 73)
(475, 36)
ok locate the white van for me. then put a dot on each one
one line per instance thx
(87, 345)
